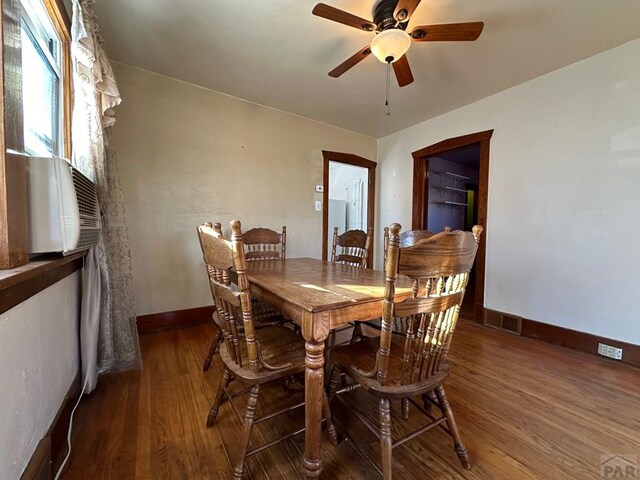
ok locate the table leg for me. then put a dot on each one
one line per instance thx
(314, 391)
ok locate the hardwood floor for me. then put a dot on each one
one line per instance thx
(526, 410)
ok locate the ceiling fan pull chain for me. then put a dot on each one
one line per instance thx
(386, 102)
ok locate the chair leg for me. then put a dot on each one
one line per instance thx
(333, 382)
(249, 417)
(331, 428)
(426, 404)
(405, 408)
(453, 428)
(385, 438)
(357, 333)
(212, 349)
(213, 413)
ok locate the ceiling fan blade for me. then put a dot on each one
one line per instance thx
(404, 9)
(452, 32)
(340, 16)
(403, 71)
(350, 62)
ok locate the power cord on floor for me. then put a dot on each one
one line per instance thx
(66, 458)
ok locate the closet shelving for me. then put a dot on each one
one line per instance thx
(450, 189)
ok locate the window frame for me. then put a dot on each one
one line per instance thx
(31, 31)
(14, 235)
(62, 24)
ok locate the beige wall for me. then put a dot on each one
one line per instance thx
(187, 155)
(39, 358)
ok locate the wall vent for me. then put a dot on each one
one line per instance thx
(502, 321)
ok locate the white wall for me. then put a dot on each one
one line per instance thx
(341, 176)
(564, 192)
(187, 155)
(39, 358)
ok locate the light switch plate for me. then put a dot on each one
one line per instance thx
(318, 205)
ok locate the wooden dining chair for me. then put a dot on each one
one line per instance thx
(372, 327)
(263, 315)
(265, 244)
(261, 355)
(217, 335)
(407, 238)
(400, 368)
(354, 247)
(351, 248)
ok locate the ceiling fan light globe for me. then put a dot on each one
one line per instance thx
(392, 43)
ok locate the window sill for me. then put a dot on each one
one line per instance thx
(21, 283)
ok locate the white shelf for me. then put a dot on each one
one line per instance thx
(455, 181)
(461, 190)
(452, 175)
(458, 204)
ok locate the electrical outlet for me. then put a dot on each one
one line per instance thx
(617, 353)
(609, 351)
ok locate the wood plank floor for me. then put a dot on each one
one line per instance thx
(526, 410)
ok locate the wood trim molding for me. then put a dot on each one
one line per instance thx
(59, 14)
(349, 159)
(57, 433)
(576, 340)
(160, 322)
(52, 448)
(39, 466)
(453, 144)
(14, 240)
(420, 179)
(21, 283)
(573, 339)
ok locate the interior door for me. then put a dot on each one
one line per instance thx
(349, 195)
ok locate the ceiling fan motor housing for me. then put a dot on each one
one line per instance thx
(383, 16)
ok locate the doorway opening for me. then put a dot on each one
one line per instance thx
(348, 197)
(450, 189)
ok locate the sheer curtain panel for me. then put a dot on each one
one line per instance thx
(95, 95)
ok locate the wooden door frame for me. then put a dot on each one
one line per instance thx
(349, 159)
(421, 192)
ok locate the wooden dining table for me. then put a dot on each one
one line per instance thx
(319, 297)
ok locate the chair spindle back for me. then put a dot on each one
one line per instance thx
(354, 247)
(408, 238)
(265, 244)
(231, 300)
(439, 266)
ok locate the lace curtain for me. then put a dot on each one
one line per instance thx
(95, 96)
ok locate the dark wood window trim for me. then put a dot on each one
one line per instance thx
(14, 235)
(21, 283)
(350, 159)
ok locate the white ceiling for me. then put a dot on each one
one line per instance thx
(276, 53)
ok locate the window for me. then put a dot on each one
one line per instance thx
(35, 116)
(42, 81)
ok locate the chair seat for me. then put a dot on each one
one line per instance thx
(372, 328)
(263, 314)
(361, 357)
(278, 346)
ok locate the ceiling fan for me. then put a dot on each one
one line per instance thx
(392, 42)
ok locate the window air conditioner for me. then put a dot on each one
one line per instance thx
(63, 207)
